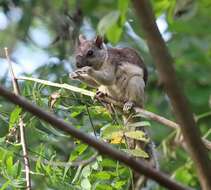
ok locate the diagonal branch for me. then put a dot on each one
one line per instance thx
(21, 125)
(179, 103)
(101, 146)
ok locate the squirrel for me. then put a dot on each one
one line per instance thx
(119, 73)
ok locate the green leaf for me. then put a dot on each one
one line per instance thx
(78, 151)
(138, 135)
(183, 175)
(103, 175)
(9, 162)
(161, 6)
(76, 111)
(109, 129)
(108, 21)
(108, 163)
(114, 33)
(75, 114)
(119, 184)
(137, 153)
(16, 169)
(109, 25)
(103, 187)
(5, 185)
(12, 169)
(123, 6)
(14, 116)
(38, 166)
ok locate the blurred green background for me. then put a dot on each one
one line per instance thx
(41, 37)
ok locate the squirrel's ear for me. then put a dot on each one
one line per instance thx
(99, 41)
(81, 38)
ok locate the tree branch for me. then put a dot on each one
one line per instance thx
(180, 105)
(64, 86)
(101, 146)
(21, 125)
(144, 113)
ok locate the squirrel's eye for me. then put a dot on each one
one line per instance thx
(90, 53)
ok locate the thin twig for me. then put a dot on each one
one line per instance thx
(45, 160)
(20, 124)
(101, 146)
(152, 116)
(64, 86)
(66, 164)
(144, 113)
(14, 79)
(90, 119)
(71, 164)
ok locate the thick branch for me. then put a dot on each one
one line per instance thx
(21, 125)
(167, 75)
(101, 146)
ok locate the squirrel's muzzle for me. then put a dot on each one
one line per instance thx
(79, 65)
(81, 62)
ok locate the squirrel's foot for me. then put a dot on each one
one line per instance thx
(79, 73)
(128, 106)
(100, 95)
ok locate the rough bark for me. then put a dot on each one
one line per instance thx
(164, 64)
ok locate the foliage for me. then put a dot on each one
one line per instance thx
(188, 37)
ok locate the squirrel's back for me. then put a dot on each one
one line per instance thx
(118, 55)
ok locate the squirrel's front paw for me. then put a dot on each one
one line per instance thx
(79, 73)
(84, 70)
(74, 75)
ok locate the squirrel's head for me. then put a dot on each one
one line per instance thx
(90, 52)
